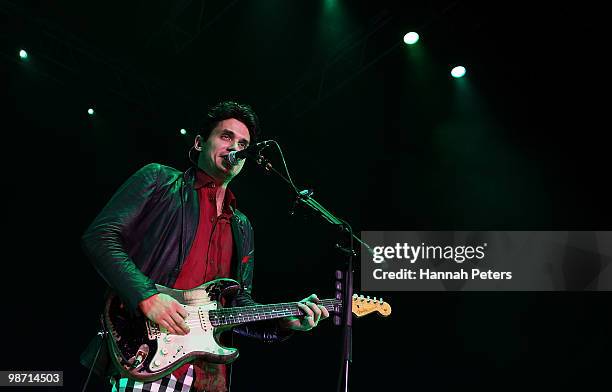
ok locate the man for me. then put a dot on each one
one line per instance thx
(181, 230)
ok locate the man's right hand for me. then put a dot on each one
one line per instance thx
(165, 311)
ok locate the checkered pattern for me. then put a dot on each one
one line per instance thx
(166, 384)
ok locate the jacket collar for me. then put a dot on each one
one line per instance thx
(189, 176)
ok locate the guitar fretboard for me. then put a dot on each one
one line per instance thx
(244, 314)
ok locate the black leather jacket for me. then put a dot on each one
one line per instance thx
(142, 237)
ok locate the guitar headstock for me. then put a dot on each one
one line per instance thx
(365, 305)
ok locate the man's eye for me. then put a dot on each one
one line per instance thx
(225, 137)
(242, 144)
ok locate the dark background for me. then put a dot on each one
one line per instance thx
(380, 131)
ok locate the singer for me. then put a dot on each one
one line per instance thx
(181, 229)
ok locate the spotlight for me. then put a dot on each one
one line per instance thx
(90, 111)
(411, 38)
(23, 54)
(183, 131)
(458, 71)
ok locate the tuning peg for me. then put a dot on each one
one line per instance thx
(381, 301)
(355, 296)
(374, 299)
(368, 297)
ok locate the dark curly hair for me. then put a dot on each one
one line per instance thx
(229, 109)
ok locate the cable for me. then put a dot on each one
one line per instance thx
(280, 150)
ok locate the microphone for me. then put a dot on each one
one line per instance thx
(234, 157)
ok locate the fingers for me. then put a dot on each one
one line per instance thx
(312, 311)
(324, 312)
(309, 314)
(312, 298)
(179, 323)
(172, 317)
(175, 324)
(318, 310)
(315, 310)
(169, 325)
(179, 316)
(181, 311)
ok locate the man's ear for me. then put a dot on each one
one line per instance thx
(197, 144)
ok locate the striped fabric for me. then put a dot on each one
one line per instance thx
(166, 384)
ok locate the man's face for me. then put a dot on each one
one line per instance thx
(229, 135)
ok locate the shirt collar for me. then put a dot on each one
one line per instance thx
(203, 180)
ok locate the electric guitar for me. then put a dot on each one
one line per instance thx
(145, 351)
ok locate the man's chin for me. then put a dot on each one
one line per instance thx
(225, 167)
(228, 171)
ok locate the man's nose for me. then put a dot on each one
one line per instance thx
(233, 146)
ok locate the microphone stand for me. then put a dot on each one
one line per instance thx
(344, 283)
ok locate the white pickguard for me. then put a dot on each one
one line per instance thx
(200, 339)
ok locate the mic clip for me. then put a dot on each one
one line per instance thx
(300, 197)
(306, 193)
(263, 162)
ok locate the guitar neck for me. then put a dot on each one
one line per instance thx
(245, 314)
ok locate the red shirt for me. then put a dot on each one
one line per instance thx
(209, 258)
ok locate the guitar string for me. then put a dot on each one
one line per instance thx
(257, 308)
(255, 311)
(259, 311)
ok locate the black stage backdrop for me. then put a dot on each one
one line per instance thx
(380, 131)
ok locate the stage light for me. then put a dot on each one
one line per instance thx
(90, 111)
(330, 3)
(23, 54)
(411, 38)
(458, 71)
(183, 131)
